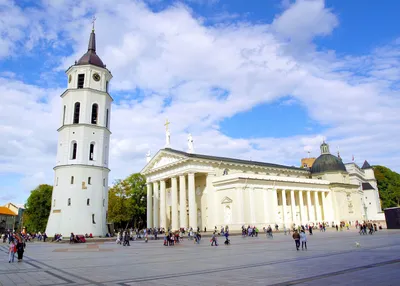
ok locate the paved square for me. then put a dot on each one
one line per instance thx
(332, 258)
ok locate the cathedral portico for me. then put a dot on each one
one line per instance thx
(207, 191)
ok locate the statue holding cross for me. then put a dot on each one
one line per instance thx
(167, 134)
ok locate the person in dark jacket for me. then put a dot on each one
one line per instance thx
(20, 249)
(296, 237)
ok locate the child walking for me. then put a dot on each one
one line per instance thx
(11, 253)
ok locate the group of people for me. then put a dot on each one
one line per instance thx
(17, 245)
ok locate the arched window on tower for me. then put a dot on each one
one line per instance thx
(72, 180)
(77, 109)
(91, 152)
(74, 150)
(69, 201)
(88, 202)
(65, 108)
(95, 109)
(107, 118)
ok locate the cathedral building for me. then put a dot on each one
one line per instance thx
(185, 189)
(80, 193)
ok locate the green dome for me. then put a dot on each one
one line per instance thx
(327, 163)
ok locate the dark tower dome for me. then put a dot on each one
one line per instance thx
(327, 162)
(91, 58)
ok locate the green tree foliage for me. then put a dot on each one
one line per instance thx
(127, 202)
(388, 185)
(37, 208)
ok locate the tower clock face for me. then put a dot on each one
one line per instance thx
(96, 76)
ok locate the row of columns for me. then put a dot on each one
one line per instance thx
(156, 203)
(314, 211)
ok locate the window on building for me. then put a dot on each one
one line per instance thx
(106, 86)
(57, 181)
(88, 202)
(93, 219)
(95, 109)
(104, 202)
(91, 152)
(65, 108)
(89, 180)
(104, 182)
(107, 118)
(77, 109)
(54, 202)
(74, 150)
(81, 80)
(69, 201)
(72, 180)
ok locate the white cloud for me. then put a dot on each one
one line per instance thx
(197, 76)
(304, 20)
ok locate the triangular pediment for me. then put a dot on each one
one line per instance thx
(163, 159)
(226, 200)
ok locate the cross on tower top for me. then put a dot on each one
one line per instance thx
(167, 124)
(93, 21)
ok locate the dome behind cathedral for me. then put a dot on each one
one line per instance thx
(327, 162)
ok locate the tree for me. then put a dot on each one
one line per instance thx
(37, 208)
(127, 202)
(388, 185)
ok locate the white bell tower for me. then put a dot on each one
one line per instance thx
(80, 193)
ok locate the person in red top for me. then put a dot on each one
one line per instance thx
(11, 252)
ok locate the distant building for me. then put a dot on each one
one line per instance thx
(18, 210)
(307, 162)
(7, 219)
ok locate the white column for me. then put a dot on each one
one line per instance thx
(284, 208)
(174, 203)
(149, 205)
(310, 208)
(293, 205)
(211, 201)
(182, 201)
(274, 204)
(156, 205)
(323, 204)
(267, 218)
(317, 209)
(163, 211)
(192, 202)
(303, 219)
(252, 206)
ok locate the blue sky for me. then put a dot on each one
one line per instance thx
(250, 79)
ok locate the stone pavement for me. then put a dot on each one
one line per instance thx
(332, 258)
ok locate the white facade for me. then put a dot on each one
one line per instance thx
(193, 190)
(365, 179)
(80, 193)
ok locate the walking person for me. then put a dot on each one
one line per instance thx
(296, 237)
(214, 240)
(11, 252)
(20, 249)
(303, 240)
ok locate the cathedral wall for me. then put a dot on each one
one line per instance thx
(347, 205)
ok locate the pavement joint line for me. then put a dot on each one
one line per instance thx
(231, 268)
(337, 273)
(67, 273)
(59, 277)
